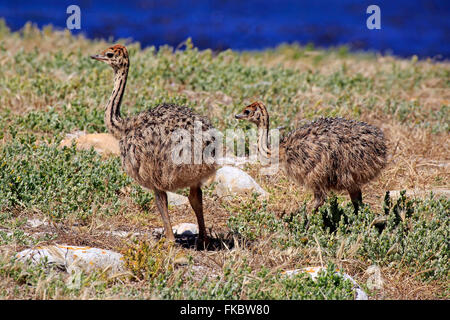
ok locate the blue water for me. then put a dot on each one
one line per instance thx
(408, 27)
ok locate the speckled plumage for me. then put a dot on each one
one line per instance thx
(327, 154)
(146, 147)
(146, 144)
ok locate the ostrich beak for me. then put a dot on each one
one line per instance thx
(98, 57)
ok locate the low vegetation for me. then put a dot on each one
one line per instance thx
(49, 87)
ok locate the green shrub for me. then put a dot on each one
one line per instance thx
(59, 182)
(416, 233)
(241, 282)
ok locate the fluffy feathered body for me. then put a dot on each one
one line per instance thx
(326, 154)
(146, 148)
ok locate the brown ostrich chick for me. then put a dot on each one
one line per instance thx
(146, 144)
(325, 154)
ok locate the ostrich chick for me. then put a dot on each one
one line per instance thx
(325, 154)
(146, 144)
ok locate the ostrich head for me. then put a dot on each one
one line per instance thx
(116, 56)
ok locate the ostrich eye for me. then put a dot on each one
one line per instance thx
(110, 54)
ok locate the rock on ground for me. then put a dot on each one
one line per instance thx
(182, 230)
(233, 181)
(185, 229)
(103, 143)
(375, 280)
(73, 258)
(175, 199)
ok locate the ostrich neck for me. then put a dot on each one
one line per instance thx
(263, 138)
(113, 120)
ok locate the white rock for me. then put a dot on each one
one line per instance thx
(375, 280)
(314, 272)
(74, 258)
(175, 199)
(182, 229)
(158, 231)
(185, 229)
(233, 181)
